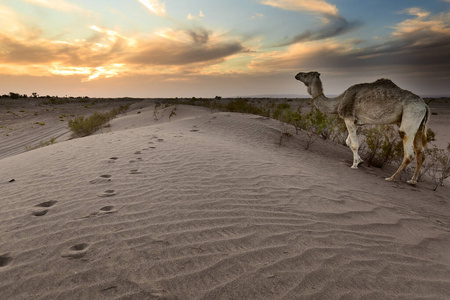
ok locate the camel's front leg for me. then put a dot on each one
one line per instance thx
(353, 143)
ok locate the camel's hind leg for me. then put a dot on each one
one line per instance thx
(408, 132)
(408, 155)
(353, 143)
(418, 148)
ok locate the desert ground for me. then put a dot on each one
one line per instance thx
(208, 205)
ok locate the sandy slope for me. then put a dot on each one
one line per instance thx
(208, 206)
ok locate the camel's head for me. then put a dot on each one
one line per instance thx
(311, 80)
(307, 78)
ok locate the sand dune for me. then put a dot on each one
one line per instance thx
(209, 206)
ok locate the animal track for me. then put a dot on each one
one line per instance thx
(102, 179)
(46, 204)
(135, 172)
(76, 251)
(137, 152)
(42, 212)
(194, 130)
(160, 140)
(5, 259)
(39, 213)
(108, 209)
(103, 211)
(112, 159)
(108, 193)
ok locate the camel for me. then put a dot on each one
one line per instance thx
(379, 102)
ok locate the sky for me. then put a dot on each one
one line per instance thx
(227, 48)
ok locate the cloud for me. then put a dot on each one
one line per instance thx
(108, 53)
(154, 6)
(333, 24)
(59, 5)
(315, 6)
(198, 17)
(257, 16)
(418, 45)
(184, 47)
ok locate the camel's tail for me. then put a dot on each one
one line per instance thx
(423, 126)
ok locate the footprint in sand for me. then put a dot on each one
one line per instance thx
(193, 130)
(112, 159)
(107, 210)
(108, 193)
(76, 251)
(135, 172)
(137, 152)
(103, 211)
(5, 259)
(46, 203)
(160, 140)
(41, 212)
(102, 179)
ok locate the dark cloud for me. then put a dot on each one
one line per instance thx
(17, 51)
(421, 48)
(335, 25)
(199, 36)
(174, 52)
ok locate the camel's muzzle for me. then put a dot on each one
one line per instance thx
(299, 76)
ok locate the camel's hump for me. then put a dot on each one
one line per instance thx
(380, 83)
(385, 82)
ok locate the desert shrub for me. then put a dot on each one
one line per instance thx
(244, 106)
(339, 132)
(315, 123)
(14, 95)
(431, 135)
(84, 126)
(383, 145)
(173, 113)
(437, 165)
(280, 112)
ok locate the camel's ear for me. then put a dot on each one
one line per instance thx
(317, 74)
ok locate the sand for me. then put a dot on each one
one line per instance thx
(207, 205)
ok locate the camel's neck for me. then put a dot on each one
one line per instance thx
(319, 100)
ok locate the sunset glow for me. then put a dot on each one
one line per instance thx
(156, 48)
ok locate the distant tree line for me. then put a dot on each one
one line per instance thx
(12, 95)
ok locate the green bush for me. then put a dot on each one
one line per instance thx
(383, 145)
(244, 106)
(81, 126)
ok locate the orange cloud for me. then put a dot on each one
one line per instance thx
(315, 6)
(423, 22)
(59, 5)
(108, 53)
